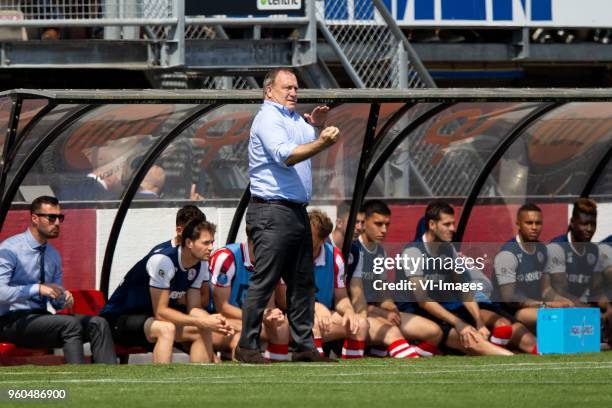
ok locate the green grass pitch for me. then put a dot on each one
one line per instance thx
(521, 381)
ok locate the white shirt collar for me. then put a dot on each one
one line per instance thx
(320, 260)
(365, 247)
(520, 243)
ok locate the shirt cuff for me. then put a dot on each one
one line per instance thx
(285, 152)
(33, 290)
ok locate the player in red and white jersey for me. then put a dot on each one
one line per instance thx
(231, 268)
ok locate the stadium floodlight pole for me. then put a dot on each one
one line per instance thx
(35, 154)
(514, 134)
(11, 154)
(358, 191)
(597, 171)
(128, 195)
(407, 131)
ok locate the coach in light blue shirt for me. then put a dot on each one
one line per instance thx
(20, 258)
(281, 144)
(275, 133)
(31, 280)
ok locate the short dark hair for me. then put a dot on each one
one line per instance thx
(194, 228)
(584, 206)
(372, 207)
(321, 222)
(435, 209)
(40, 201)
(187, 213)
(344, 208)
(528, 207)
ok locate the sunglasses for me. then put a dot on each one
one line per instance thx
(53, 217)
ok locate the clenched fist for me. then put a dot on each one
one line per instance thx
(329, 135)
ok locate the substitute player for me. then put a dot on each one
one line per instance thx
(183, 216)
(145, 308)
(387, 324)
(519, 270)
(335, 317)
(231, 267)
(575, 264)
(463, 324)
(337, 235)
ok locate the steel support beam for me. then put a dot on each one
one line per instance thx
(515, 132)
(128, 195)
(34, 155)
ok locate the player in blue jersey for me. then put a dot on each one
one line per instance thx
(231, 267)
(335, 318)
(145, 308)
(183, 216)
(519, 270)
(388, 325)
(575, 265)
(463, 323)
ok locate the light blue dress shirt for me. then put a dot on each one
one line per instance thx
(20, 272)
(275, 132)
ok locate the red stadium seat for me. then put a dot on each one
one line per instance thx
(86, 302)
(91, 302)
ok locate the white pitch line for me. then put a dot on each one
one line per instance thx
(353, 365)
(406, 369)
(39, 372)
(232, 379)
(410, 363)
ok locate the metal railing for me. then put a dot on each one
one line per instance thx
(67, 13)
(373, 51)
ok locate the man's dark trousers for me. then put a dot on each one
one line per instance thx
(283, 248)
(40, 329)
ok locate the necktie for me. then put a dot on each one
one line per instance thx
(42, 300)
(42, 250)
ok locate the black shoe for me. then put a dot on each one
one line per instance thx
(249, 356)
(311, 356)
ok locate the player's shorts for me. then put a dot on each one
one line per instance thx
(502, 309)
(446, 327)
(128, 330)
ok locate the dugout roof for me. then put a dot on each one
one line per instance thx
(470, 146)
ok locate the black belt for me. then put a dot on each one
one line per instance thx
(286, 203)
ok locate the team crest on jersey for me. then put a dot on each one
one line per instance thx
(161, 273)
(540, 256)
(591, 259)
(191, 274)
(222, 279)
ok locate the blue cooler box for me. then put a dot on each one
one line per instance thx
(569, 330)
